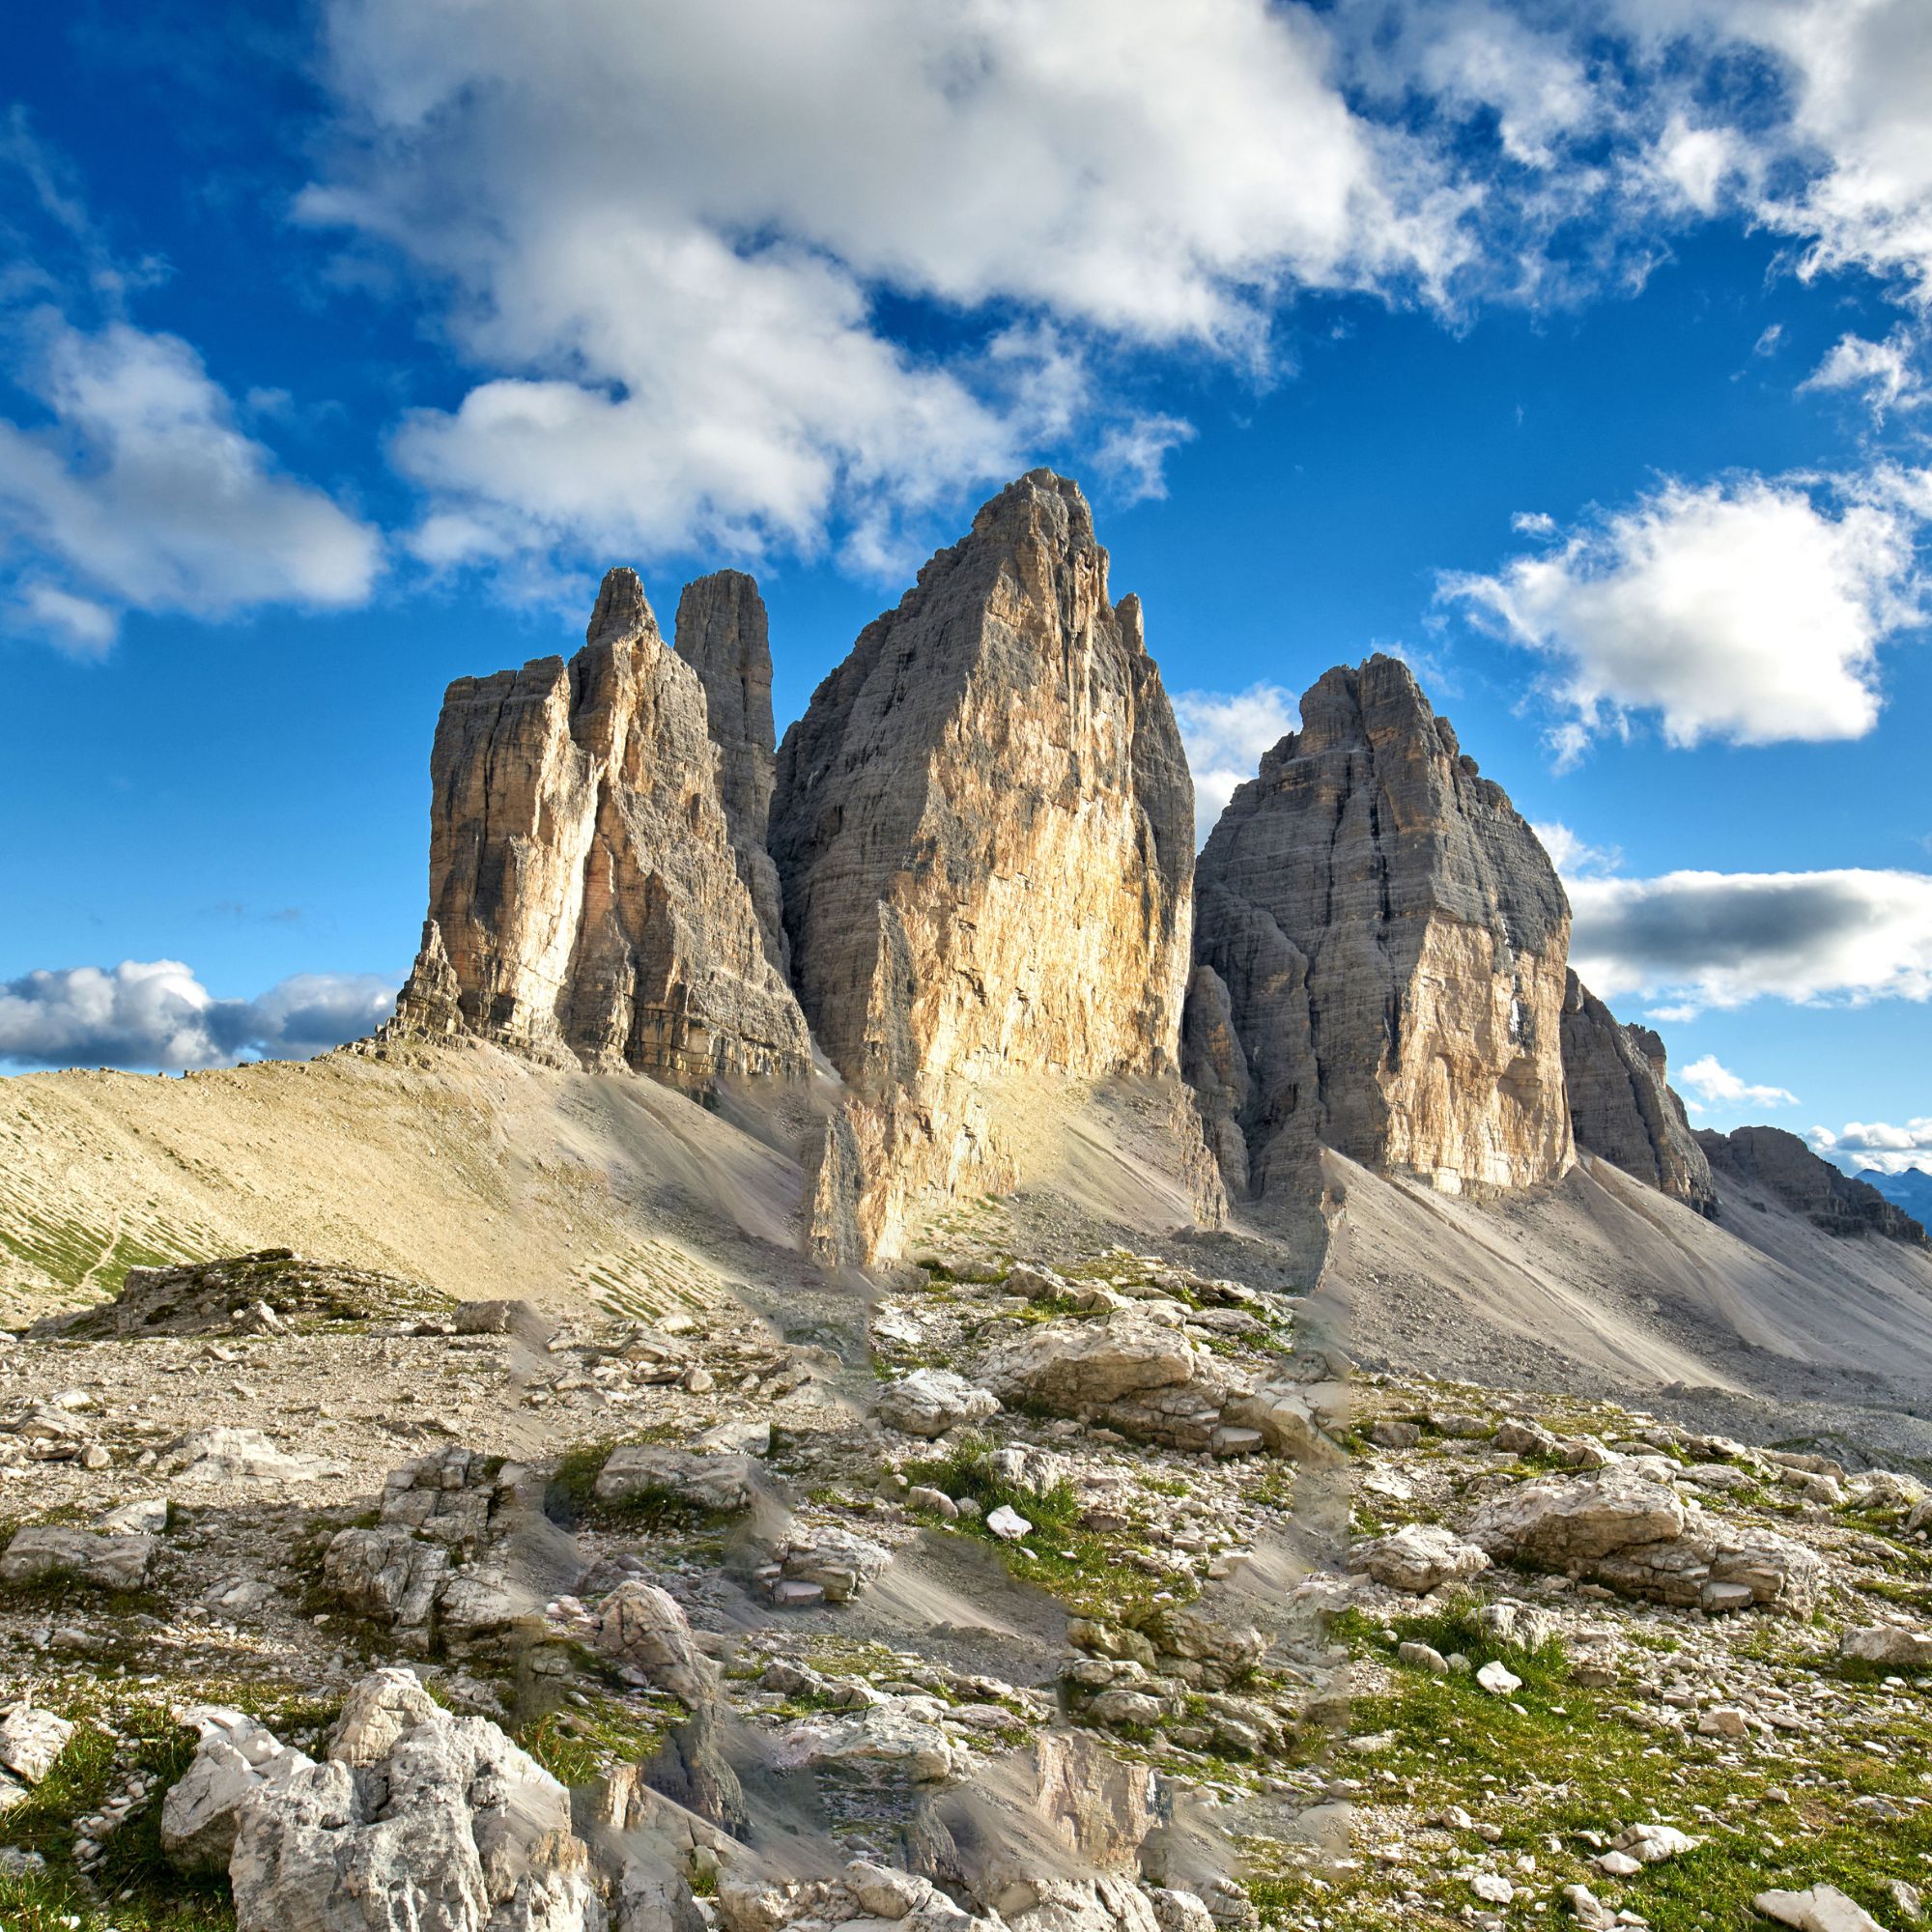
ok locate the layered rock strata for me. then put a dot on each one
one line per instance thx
(983, 829)
(722, 635)
(1783, 1166)
(586, 900)
(1389, 944)
(1621, 1103)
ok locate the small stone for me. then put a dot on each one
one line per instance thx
(1423, 1657)
(1498, 1679)
(1008, 1524)
(1823, 1908)
(1723, 1720)
(31, 1741)
(1587, 1909)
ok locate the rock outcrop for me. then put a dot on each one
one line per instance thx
(586, 895)
(982, 828)
(722, 635)
(412, 1818)
(1621, 1103)
(1785, 1167)
(1392, 944)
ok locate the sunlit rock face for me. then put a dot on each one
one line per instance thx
(585, 899)
(1392, 944)
(982, 829)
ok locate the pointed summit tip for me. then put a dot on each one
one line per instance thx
(1059, 497)
(623, 611)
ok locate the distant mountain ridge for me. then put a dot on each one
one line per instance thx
(1911, 1190)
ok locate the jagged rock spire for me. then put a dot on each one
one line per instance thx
(722, 635)
(983, 827)
(585, 900)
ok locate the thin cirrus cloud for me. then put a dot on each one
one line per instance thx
(142, 492)
(1687, 942)
(1225, 734)
(156, 1014)
(1743, 610)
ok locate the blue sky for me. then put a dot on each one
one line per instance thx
(1577, 353)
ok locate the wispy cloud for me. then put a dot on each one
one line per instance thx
(1886, 372)
(1716, 1086)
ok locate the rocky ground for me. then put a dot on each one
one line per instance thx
(1065, 1595)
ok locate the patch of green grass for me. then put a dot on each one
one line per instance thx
(1081, 1567)
(578, 1746)
(96, 1764)
(988, 1275)
(1455, 1630)
(1556, 1759)
(570, 1495)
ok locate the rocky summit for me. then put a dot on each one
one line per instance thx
(586, 896)
(723, 634)
(1390, 945)
(1780, 1164)
(459, 1484)
(983, 830)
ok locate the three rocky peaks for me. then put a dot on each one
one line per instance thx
(967, 877)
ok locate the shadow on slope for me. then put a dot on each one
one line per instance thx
(1600, 1286)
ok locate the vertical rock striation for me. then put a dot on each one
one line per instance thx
(982, 834)
(585, 898)
(1621, 1104)
(723, 636)
(1392, 944)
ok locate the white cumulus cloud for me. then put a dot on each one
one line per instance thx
(667, 232)
(1746, 610)
(1715, 1084)
(1225, 734)
(156, 1013)
(1688, 941)
(148, 495)
(1876, 1144)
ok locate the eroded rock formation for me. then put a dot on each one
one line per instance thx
(1392, 944)
(1783, 1166)
(982, 829)
(722, 635)
(1621, 1105)
(585, 899)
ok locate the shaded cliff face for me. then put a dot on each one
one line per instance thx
(1621, 1103)
(982, 832)
(1781, 1164)
(1392, 942)
(722, 635)
(585, 898)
